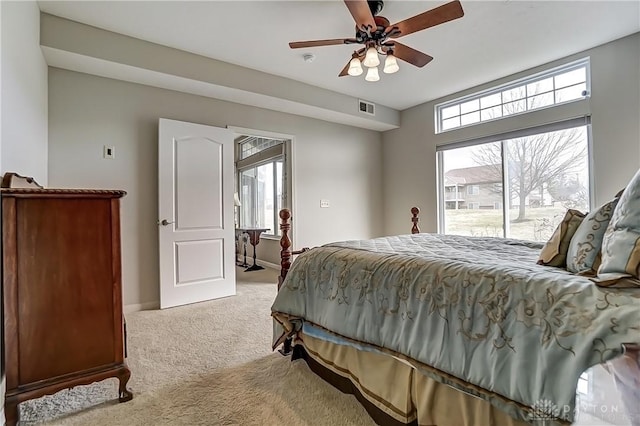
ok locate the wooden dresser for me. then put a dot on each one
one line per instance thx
(62, 295)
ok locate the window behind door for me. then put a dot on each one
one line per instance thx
(261, 181)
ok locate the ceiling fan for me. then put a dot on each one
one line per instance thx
(377, 36)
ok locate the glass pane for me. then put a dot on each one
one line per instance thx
(252, 145)
(541, 86)
(472, 190)
(491, 113)
(451, 123)
(279, 194)
(450, 111)
(548, 173)
(470, 118)
(570, 78)
(514, 107)
(247, 197)
(570, 93)
(514, 94)
(491, 100)
(470, 106)
(540, 101)
(265, 198)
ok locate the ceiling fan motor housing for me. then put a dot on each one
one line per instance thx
(375, 6)
(376, 35)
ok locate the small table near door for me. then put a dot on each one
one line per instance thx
(254, 239)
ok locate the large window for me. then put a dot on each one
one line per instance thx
(559, 85)
(261, 182)
(522, 182)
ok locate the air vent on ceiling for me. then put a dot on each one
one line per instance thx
(366, 107)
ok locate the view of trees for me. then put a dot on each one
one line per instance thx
(548, 160)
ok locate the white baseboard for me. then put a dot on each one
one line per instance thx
(268, 264)
(135, 307)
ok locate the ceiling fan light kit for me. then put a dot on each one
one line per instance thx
(376, 34)
(371, 59)
(372, 74)
(355, 68)
(390, 64)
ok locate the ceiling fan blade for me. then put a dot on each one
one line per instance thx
(356, 54)
(361, 13)
(345, 70)
(315, 43)
(430, 18)
(411, 55)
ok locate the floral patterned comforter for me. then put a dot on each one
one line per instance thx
(479, 311)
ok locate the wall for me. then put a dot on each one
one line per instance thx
(23, 104)
(23, 143)
(83, 48)
(332, 161)
(409, 167)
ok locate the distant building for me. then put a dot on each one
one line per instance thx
(480, 187)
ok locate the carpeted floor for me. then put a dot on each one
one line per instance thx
(206, 364)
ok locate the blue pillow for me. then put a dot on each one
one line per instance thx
(621, 241)
(583, 255)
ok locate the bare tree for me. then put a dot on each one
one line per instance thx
(535, 161)
(570, 191)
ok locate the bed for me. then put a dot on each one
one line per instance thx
(435, 329)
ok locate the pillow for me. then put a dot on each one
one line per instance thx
(583, 255)
(554, 252)
(621, 241)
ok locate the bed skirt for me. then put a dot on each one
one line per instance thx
(392, 391)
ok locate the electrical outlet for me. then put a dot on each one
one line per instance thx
(109, 152)
(324, 204)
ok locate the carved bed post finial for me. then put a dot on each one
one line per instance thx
(285, 244)
(415, 212)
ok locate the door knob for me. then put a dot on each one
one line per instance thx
(164, 222)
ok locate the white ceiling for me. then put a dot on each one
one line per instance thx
(492, 40)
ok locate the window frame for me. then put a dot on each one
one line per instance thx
(286, 157)
(524, 81)
(274, 232)
(530, 131)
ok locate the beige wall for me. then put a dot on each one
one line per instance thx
(23, 104)
(23, 143)
(78, 47)
(332, 161)
(409, 167)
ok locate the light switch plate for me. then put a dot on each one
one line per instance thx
(324, 204)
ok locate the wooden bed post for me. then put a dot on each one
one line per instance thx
(285, 245)
(285, 264)
(415, 212)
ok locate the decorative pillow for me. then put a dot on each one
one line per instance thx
(583, 255)
(554, 253)
(621, 241)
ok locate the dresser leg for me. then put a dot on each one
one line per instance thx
(124, 393)
(11, 413)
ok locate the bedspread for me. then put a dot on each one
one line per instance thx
(477, 309)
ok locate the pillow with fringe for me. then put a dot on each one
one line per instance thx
(554, 252)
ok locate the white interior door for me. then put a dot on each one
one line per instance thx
(195, 222)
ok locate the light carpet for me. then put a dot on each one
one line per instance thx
(206, 364)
